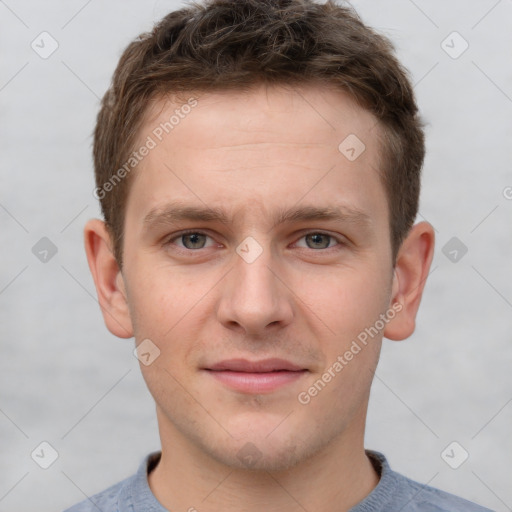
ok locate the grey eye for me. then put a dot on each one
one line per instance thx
(193, 240)
(318, 240)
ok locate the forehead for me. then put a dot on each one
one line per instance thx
(324, 114)
(233, 149)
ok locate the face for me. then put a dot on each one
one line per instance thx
(256, 253)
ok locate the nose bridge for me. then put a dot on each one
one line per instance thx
(253, 267)
(254, 296)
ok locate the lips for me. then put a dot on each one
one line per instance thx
(262, 376)
(264, 366)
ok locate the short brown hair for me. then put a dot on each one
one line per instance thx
(233, 44)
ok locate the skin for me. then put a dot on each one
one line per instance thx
(303, 299)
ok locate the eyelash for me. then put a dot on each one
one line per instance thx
(169, 241)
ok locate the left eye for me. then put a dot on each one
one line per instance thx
(319, 240)
(192, 240)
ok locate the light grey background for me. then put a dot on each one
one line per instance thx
(66, 380)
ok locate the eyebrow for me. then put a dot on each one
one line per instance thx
(176, 212)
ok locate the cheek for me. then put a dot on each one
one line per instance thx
(171, 311)
(159, 297)
(347, 300)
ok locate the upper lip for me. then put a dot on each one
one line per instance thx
(265, 365)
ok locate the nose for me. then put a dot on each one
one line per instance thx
(255, 296)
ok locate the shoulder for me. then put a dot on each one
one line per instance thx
(423, 498)
(132, 493)
(397, 492)
(106, 501)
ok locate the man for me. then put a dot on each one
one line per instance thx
(258, 166)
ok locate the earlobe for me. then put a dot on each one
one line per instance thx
(107, 279)
(411, 270)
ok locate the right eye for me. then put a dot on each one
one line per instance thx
(189, 241)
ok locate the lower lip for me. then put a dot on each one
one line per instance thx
(256, 382)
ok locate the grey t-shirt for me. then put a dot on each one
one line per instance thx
(393, 493)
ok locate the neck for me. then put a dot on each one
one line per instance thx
(187, 479)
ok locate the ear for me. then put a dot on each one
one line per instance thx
(411, 270)
(108, 279)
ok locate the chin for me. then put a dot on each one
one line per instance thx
(263, 452)
(249, 456)
(265, 442)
